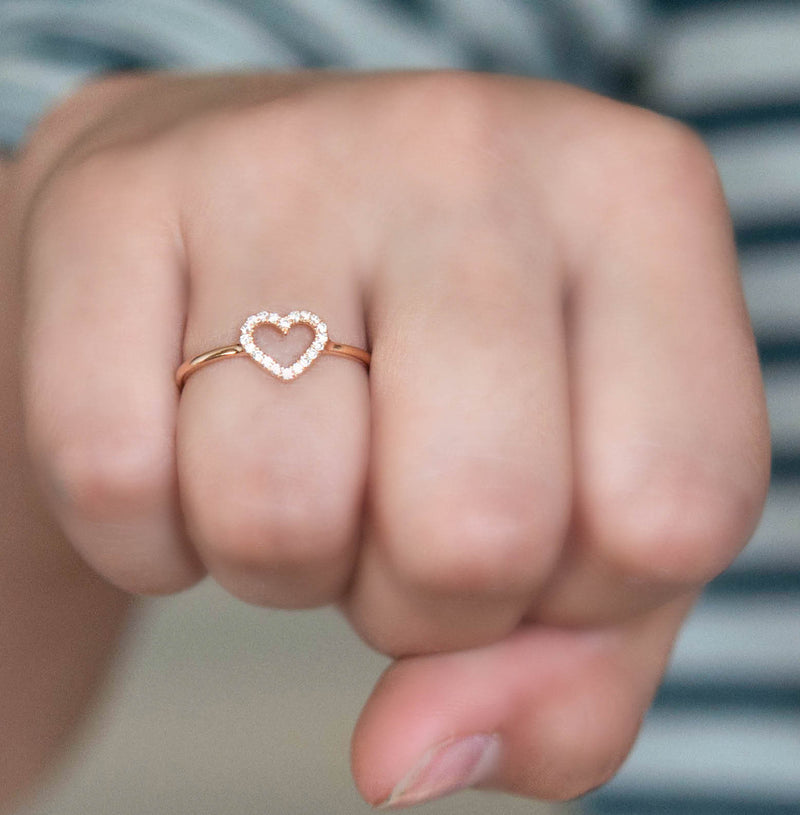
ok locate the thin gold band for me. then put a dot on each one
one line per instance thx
(201, 360)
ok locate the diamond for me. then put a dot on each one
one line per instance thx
(283, 324)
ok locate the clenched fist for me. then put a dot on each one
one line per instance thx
(561, 438)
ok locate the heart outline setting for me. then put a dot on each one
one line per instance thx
(285, 373)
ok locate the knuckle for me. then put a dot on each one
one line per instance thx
(76, 114)
(662, 158)
(274, 137)
(86, 191)
(265, 147)
(684, 165)
(454, 103)
(291, 531)
(91, 172)
(110, 476)
(477, 543)
(450, 121)
(670, 522)
(682, 147)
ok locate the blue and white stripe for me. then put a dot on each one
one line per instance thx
(49, 47)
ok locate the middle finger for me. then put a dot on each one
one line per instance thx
(470, 469)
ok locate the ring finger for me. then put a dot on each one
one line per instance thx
(272, 471)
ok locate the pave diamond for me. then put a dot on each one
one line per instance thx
(284, 324)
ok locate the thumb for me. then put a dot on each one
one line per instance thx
(546, 713)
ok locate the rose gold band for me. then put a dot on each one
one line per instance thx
(201, 360)
(247, 345)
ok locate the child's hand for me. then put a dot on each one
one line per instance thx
(561, 439)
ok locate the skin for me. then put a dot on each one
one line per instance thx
(60, 621)
(562, 437)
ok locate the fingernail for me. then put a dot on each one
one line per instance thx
(453, 765)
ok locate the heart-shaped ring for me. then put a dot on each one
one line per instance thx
(283, 324)
(320, 344)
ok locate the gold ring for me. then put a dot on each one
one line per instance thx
(319, 345)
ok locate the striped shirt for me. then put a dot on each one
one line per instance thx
(724, 734)
(49, 47)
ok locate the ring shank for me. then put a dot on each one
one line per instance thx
(189, 367)
(338, 349)
(201, 360)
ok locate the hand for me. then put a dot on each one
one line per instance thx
(561, 439)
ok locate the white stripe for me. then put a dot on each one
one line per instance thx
(754, 754)
(760, 169)
(730, 54)
(776, 542)
(19, 77)
(771, 279)
(367, 35)
(743, 639)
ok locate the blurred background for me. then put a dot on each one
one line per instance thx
(216, 707)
